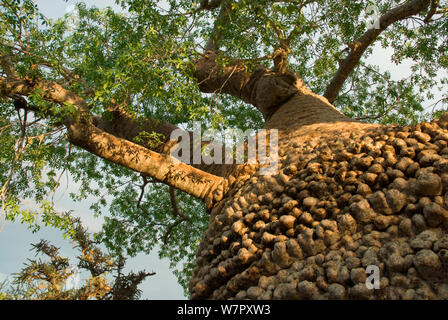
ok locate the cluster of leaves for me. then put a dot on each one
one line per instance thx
(371, 93)
(144, 216)
(26, 149)
(54, 279)
(320, 35)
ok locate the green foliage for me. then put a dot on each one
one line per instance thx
(151, 139)
(139, 224)
(54, 278)
(141, 58)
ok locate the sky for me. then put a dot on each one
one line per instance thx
(16, 239)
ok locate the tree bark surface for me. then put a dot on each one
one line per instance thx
(347, 195)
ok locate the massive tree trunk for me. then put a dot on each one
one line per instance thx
(347, 196)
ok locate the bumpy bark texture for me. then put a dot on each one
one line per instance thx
(347, 195)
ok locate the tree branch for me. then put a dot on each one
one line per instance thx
(175, 206)
(13, 86)
(297, 30)
(66, 73)
(259, 86)
(84, 134)
(177, 214)
(432, 11)
(142, 190)
(224, 12)
(360, 46)
(162, 168)
(121, 124)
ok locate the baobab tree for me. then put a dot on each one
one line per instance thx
(99, 94)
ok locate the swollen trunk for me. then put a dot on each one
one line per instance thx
(355, 211)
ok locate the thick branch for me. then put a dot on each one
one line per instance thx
(223, 15)
(263, 88)
(123, 125)
(162, 168)
(359, 47)
(83, 133)
(177, 214)
(432, 11)
(210, 4)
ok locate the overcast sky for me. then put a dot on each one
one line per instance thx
(16, 239)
